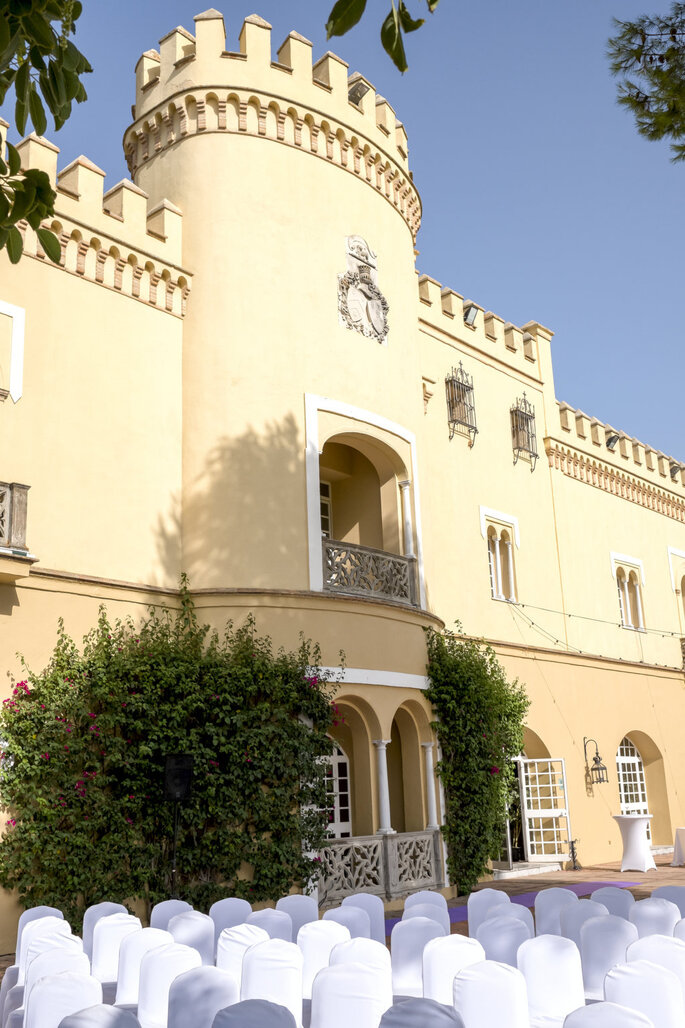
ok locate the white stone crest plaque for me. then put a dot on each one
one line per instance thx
(361, 305)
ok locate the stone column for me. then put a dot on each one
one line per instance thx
(407, 521)
(430, 787)
(510, 565)
(626, 604)
(384, 828)
(638, 606)
(498, 569)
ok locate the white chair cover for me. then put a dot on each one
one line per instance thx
(513, 910)
(355, 919)
(91, 918)
(426, 896)
(227, 913)
(55, 997)
(162, 913)
(276, 923)
(421, 1013)
(232, 946)
(478, 905)
(51, 961)
(663, 950)
(654, 991)
(350, 994)
(554, 978)
(42, 926)
(16, 996)
(363, 951)
(618, 901)
(197, 996)
(131, 952)
(491, 995)
(604, 942)
(108, 934)
(255, 1013)
(302, 910)
(501, 937)
(11, 975)
(316, 941)
(158, 968)
(674, 893)
(273, 970)
(548, 907)
(374, 907)
(407, 942)
(191, 928)
(431, 910)
(443, 958)
(576, 914)
(607, 1015)
(678, 931)
(101, 1016)
(654, 916)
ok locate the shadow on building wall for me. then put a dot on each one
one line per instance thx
(243, 521)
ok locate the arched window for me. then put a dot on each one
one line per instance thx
(501, 565)
(630, 771)
(628, 572)
(338, 794)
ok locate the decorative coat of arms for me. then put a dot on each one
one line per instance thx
(361, 304)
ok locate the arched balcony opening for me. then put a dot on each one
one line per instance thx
(366, 520)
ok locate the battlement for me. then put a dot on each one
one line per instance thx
(605, 443)
(194, 85)
(111, 238)
(469, 323)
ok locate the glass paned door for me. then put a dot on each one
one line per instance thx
(632, 788)
(546, 826)
(338, 795)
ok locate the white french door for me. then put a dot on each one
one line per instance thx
(544, 809)
(338, 795)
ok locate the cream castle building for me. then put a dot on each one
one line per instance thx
(236, 373)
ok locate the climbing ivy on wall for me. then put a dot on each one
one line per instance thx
(84, 748)
(479, 726)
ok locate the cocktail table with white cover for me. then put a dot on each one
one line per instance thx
(637, 856)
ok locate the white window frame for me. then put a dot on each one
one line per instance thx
(639, 770)
(496, 519)
(328, 500)
(337, 828)
(18, 316)
(629, 564)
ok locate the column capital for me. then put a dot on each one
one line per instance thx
(382, 743)
(428, 745)
(404, 484)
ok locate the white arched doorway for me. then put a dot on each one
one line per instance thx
(632, 787)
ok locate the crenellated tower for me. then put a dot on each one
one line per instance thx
(293, 177)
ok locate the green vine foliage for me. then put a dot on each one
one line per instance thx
(82, 769)
(479, 726)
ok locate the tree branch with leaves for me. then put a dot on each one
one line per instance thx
(346, 14)
(43, 67)
(649, 55)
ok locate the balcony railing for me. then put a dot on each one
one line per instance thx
(390, 866)
(13, 503)
(364, 571)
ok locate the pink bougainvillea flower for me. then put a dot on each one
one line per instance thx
(494, 770)
(45, 756)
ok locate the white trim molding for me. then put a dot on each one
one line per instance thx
(488, 514)
(312, 405)
(18, 316)
(680, 554)
(623, 560)
(367, 676)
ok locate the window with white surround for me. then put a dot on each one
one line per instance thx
(326, 511)
(501, 534)
(632, 788)
(629, 577)
(338, 794)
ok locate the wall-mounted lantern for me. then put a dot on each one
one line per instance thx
(598, 772)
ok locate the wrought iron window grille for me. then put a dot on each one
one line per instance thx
(461, 408)
(523, 431)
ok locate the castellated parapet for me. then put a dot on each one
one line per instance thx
(112, 239)
(194, 86)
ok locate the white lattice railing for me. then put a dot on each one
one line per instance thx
(365, 571)
(387, 865)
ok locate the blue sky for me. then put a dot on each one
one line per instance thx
(540, 201)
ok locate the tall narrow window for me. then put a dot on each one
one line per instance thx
(632, 788)
(523, 438)
(628, 572)
(501, 565)
(461, 408)
(326, 512)
(338, 795)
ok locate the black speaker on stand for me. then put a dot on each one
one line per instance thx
(178, 774)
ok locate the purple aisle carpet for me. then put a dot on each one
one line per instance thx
(458, 913)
